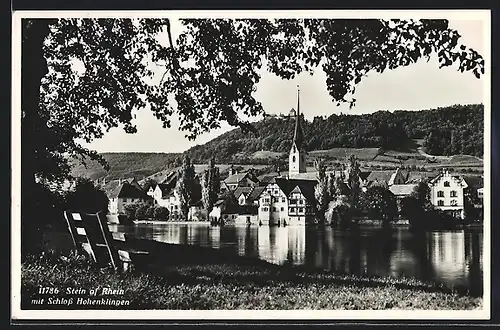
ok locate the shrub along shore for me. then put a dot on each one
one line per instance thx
(189, 277)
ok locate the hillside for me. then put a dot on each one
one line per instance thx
(444, 131)
(123, 165)
(444, 137)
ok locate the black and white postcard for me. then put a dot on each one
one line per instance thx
(264, 165)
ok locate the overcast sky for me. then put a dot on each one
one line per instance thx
(416, 87)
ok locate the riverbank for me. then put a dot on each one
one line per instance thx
(158, 222)
(190, 277)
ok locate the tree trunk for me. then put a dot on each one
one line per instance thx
(34, 68)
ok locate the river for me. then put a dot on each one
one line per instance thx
(451, 258)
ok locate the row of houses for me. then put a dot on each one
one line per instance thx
(288, 198)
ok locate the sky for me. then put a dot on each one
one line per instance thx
(416, 87)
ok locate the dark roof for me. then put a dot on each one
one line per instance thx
(242, 190)
(383, 176)
(254, 195)
(306, 190)
(265, 179)
(474, 182)
(415, 176)
(364, 175)
(166, 188)
(235, 178)
(115, 189)
(306, 186)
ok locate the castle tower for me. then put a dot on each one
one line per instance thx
(297, 157)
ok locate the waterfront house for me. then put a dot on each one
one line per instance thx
(122, 193)
(447, 193)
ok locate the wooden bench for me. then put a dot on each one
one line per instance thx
(90, 234)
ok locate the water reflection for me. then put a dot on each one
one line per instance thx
(453, 258)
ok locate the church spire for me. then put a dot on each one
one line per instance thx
(298, 137)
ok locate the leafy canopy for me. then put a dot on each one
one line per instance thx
(213, 67)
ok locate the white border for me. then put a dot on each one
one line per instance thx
(18, 314)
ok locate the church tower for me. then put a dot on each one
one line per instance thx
(297, 158)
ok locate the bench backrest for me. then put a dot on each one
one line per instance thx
(90, 232)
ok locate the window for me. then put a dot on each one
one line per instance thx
(301, 201)
(283, 200)
(453, 202)
(453, 193)
(440, 193)
(293, 159)
(275, 192)
(440, 203)
(292, 209)
(447, 183)
(301, 210)
(282, 209)
(264, 209)
(293, 201)
(274, 209)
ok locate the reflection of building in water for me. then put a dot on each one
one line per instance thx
(448, 255)
(214, 236)
(171, 234)
(273, 244)
(296, 245)
(241, 239)
(402, 260)
(247, 240)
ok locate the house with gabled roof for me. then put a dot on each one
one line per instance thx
(243, 179)
(447, 193)
(122, 193)
(286, 201)
(242, 193)
(388, 177)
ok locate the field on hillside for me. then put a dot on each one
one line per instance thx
(343, 153)
(157, 166)
(124, 165)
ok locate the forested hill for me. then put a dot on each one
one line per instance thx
(452, 130)
(445, 131)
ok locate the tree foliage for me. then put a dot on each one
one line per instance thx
(380, 204)
(210, 185)
(161, 213)
(141, 211)
(185, 186)
(321, 190)
(86, 197)
(353, 180)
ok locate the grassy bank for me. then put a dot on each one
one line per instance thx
(218, 282)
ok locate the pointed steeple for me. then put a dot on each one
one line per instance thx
(298, 137)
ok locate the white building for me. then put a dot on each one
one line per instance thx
(447, 193)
